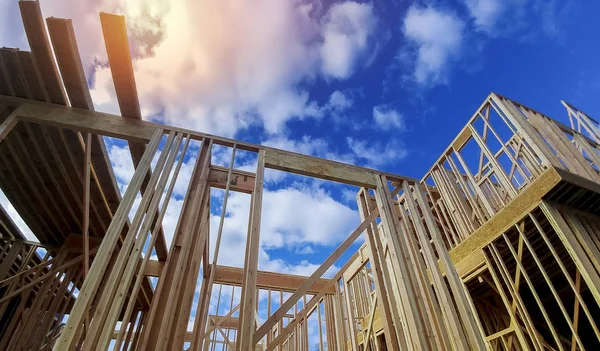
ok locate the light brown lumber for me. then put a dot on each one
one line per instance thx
(98, 268)
(209, 272)
(412, 324)
(146, 263)
(351, 318)
(529, 133)
(87, 121)
(167, 290)
(575, 286)
(462, 303)
(133, 267)
(536, 297)
(119, 58)
(245, 340)
(331, 170)
(334, 256)
(241, 181)
(547, 280)
(369, 329)
(121, 65)
(153, 268)
(118, 285)
(190, 274)
(140, 131)
(489, 258)
(383, 283)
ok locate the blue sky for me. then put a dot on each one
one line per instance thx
(383, 84)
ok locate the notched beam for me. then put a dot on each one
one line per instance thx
(241, 181)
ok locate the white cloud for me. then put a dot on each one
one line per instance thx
(347, 30)
(291, 218)
(523, 19)
(305, 250)
(387, 118)
(304, 268)
(349, 196)
(339, 101)
(304, 145)
(122, 164)
(437, 36)
(376, 154)
(309, 146)
(485, 12)
(222, 66)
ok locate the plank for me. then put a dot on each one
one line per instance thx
(249, 293)
(241, 181)
(268, 280)
(71, 69)
(140, 131)
(317, 168)
(88, 121)
(119, 59)
(40, 48)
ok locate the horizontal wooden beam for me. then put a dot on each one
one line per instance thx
(241, 181)
(106, 124)
(141, 131)
(319, 168)
(153, 268)
(86, 121)
(269, 280)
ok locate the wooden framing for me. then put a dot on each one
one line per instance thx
(496, 247)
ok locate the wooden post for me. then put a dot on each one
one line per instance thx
(391, 319)
(248, 298)
(187, 242)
